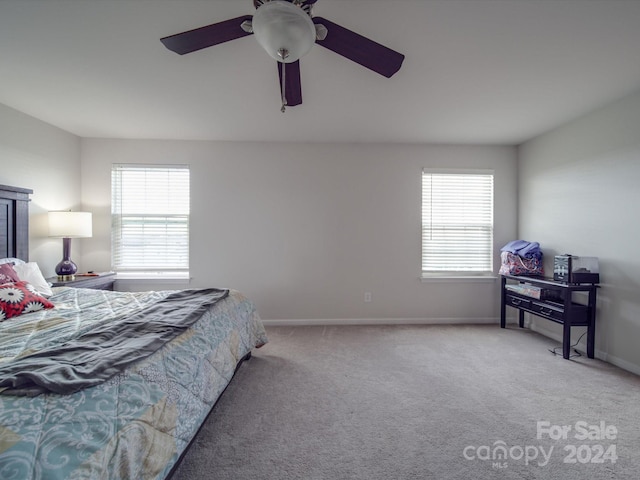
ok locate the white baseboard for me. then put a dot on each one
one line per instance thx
(623, 364)
(377, 321)
(582, 347)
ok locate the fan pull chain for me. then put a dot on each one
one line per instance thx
(284, 97)
(283, 54)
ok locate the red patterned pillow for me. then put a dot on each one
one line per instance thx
(18, 298)
(8, 274)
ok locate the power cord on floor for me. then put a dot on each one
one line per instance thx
(577, 353)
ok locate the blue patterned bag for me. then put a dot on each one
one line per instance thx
(513, 264)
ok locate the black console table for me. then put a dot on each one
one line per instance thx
(556, 305)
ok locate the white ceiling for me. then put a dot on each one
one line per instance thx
(476, 71)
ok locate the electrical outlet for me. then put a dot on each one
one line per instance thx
(367, 297)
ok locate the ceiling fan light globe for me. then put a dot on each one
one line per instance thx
(279, 25)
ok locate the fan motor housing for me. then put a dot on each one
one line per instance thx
(284, 30)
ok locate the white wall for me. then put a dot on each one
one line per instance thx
(306, 229)
(36, 155)
(578, 190)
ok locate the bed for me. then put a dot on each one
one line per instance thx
(136, 420)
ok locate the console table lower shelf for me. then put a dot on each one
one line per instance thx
(558, 306)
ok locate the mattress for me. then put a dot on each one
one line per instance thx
(137, 423)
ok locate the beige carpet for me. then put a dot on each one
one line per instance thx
(419, 402)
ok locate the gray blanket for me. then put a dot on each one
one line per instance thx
(106, 350)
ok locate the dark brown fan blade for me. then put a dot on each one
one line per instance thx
(292, 84)
(361, 50)
(203, 37)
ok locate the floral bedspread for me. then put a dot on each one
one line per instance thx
(136, 424)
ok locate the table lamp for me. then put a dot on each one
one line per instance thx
(68, 225)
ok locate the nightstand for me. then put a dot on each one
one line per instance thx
(101, 281)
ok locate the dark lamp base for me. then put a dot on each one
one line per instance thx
(65, 268)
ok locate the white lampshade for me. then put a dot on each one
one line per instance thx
(70, 224)
(280, 25)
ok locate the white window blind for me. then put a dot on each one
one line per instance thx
(457, 222)
(150, 219)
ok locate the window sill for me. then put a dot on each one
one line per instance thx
(450, 278)
(153, 277)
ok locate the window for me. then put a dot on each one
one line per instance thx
(150, 220)
(457, 222)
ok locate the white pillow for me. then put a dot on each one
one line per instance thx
(15, 261)
(30, 272)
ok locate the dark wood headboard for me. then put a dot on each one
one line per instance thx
(14, 222)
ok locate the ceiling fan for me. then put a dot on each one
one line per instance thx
(287, 30)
